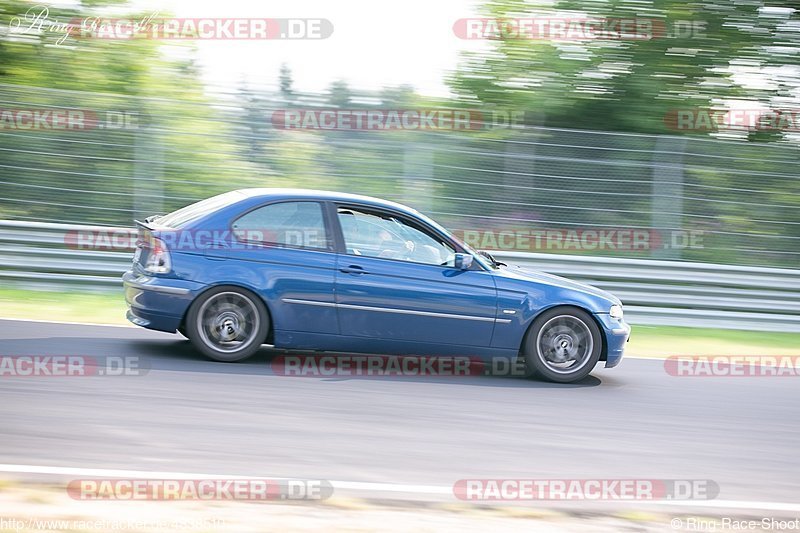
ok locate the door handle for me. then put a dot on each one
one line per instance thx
(353, 269)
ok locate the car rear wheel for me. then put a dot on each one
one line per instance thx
(563, 345)
(227, 324)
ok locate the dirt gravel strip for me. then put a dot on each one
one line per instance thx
(28, 507)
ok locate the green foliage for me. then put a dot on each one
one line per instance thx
(698, 55)
(286, 81)
(339, 94)
(181, 148)
(190, 145)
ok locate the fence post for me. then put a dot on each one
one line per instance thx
(667, 194)
(148, 189)
(516, 166)
(417, 174)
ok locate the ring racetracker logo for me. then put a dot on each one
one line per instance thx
(12, 366)
(585, 489)
(199, 489)
(388, 366)
(203, 28)
(579, 239)
(733, 366)
(372, 365)
(381, 119)
(61, 119)
(123, 239)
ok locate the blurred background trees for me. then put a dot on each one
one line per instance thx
(192, 141)
(702, 54)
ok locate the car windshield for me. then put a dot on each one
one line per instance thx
(472, 251)
(485, 258)
(180, 218)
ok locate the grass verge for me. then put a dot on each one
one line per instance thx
(96, 307)
(646, 341)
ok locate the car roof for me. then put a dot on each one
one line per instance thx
(280, 193)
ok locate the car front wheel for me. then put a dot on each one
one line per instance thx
(227, 324)
(563, 345)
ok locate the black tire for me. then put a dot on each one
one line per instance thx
(563, 345)
(227, 324)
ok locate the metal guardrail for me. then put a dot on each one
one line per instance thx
(684, 294)
(736, 200)
(654, 292)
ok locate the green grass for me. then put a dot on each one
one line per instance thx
(659, 341)
(98, 307)
(646, 341)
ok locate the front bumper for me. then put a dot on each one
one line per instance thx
(617, 333)
(157, 303)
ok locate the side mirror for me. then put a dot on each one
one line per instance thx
(463, 261)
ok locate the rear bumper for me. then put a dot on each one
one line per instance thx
(157, 303)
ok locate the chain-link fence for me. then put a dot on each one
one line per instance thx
(68, 156)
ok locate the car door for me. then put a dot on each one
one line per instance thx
(285, 250)
(395, 280)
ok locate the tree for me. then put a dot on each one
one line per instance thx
(339, 94)
(398, 97)
(286, 82)
(699, 55)
(180, 148)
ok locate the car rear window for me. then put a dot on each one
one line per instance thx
(185, 215)
(298, 224)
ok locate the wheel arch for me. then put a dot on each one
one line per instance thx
(239, 286)
(604, 348)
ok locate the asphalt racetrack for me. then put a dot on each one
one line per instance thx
(416, 434)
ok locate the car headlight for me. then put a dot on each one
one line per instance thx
(616, 312)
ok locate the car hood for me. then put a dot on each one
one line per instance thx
(530, 274)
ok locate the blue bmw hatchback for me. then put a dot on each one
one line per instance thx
(315, 270)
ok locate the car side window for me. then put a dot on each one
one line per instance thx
(391, 237)
(294, 224)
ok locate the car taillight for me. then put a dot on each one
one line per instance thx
(158, 261)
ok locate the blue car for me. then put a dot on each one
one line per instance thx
(326, 271)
